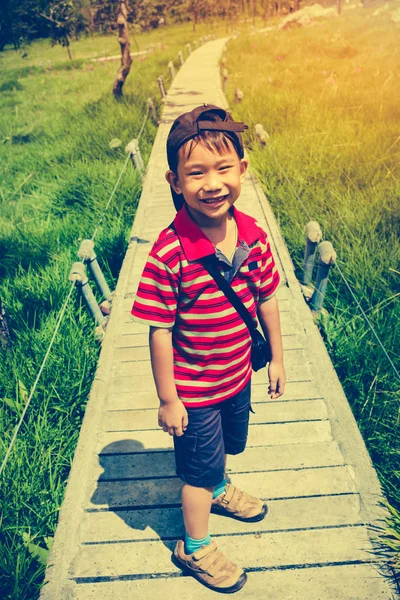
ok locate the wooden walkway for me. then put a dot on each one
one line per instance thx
(121, 516)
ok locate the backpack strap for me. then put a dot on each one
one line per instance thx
(210, 264)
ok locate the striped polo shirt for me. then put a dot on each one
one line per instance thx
(211, 343)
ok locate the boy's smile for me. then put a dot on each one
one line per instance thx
(210, 182)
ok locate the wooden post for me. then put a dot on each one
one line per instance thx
(87, 254)
(160, 81)
(126, 60)
(134, 151)
(327, 257)
(313, 237)
(238, 96)
(171, 69)
(152, 108)
(189, 49)
(180, 56)
(224, 78)
(78, 275)
(261, 134)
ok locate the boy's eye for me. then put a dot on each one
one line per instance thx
(195, 173)
(225, 167)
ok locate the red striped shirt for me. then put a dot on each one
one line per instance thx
(211, 343)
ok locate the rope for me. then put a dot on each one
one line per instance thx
(144, 123)
(17, 428)
(368, 321)
(290, 183)
(338, 268)
(63, 309)
(110, 198)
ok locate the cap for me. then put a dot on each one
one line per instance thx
(203, 118)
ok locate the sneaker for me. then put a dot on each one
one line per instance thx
(239, 504)
(211, 567)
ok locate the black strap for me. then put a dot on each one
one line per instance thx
(210, 263)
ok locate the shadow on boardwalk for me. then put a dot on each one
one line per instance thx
(140, 487)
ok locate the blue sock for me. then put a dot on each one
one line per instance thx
(192, 545)
(219, 489)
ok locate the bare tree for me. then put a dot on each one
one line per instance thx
(126, 60)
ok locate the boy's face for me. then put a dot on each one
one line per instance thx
(210, 182)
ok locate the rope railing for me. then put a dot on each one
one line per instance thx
(18, 426)
(86, 254)
(76, 277)
(264, 137)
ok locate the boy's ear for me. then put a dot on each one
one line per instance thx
(173, 181)
(244, 163)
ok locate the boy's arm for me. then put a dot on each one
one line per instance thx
(268, 315)
(172, 415)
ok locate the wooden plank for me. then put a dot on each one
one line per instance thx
(268, 412)
(259, 435)
(137, 355)
(269, 458)
(122, 397)
(341, 582)
(270, 484)
(265, 551)
(294, 390)
(285, 305)
(140, 340)
(141, 371)
(162, 523)
(289, 322)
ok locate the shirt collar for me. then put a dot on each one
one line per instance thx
(196, 244)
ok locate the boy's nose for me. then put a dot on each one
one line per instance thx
(211, 183)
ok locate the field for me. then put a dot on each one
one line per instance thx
(327, 95)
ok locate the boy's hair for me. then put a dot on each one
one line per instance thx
(208, 125)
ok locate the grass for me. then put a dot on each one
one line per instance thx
(56, 122)
(328, 97)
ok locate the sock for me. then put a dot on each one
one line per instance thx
(192, 545)
(219, 489)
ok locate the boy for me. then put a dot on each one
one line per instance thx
(199, 345)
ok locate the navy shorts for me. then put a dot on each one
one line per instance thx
(212, 432)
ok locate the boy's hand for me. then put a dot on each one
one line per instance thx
(173, 417)
(277, 379)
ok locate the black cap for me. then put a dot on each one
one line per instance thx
(203, 118)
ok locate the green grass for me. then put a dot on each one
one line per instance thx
(57, 119)
(328, 97)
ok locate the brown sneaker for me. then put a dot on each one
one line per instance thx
(211, 568)
(239, 504)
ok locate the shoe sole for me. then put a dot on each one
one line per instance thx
(231, 590)
(216, 509)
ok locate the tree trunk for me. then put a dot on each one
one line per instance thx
(5, 338)
(296, 5)
(123, 39)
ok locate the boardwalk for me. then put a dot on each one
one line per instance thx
(305, 456)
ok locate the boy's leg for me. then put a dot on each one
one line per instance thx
(233, 501)
(199, 456)
(196, 505)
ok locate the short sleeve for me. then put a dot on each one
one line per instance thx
(157, 295)
(270, 277)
